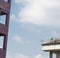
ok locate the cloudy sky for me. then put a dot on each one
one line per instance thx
(32, 22)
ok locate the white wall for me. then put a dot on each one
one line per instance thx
(51, 47)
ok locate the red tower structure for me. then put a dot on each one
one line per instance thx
(4, 10)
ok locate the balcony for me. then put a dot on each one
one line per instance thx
(4, 6)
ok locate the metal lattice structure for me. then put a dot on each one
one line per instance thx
(4, 10)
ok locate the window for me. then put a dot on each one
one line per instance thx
(6, 0)
(54, 55)
(1, 41)
(2, 19)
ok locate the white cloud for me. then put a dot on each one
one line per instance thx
(38, 56)
(19, 55)
(39, 12)
(12, 17)
(20, 39)
(21, 1)
(9, 55)
(16, 55)
(17, 38)
(55, 34)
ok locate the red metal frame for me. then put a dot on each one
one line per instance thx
(5, 10)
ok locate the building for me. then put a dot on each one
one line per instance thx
(53, 47)
(4, 10)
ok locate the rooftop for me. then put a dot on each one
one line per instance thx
(52, 42)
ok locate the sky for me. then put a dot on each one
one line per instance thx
(32, 22)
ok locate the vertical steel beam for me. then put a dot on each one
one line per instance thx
(51, 55)
(57, 54)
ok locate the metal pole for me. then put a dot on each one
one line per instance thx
(57, 54)
(50, 55)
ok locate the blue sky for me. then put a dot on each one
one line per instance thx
(31, 23)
